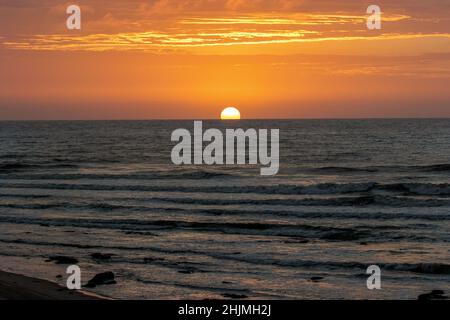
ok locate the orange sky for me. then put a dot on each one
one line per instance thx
(191, 58)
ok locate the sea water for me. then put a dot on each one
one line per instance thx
(349, 194)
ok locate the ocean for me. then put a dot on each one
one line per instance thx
(349, 194)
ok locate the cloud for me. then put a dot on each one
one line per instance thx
(159, 41)
(168, 24)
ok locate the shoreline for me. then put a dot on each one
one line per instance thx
(19, 287)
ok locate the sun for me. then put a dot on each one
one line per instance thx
(230, 114)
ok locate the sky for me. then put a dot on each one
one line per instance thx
(189, 59)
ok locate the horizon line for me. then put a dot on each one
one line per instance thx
(218, 119)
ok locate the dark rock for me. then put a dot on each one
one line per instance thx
(62, 260)
(234, 296)
(433, 295)
(186, 271)
(432, 268)
(59, 276)
(149, 260)
(300, 241)
(227, 282)
(101, 279)
(437, 292)
(101, 256)
(141, 233)
(363, 243)
(316, 279)
(342, 235)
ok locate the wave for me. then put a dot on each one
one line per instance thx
(248, 228)
(25, 196)
(143, 204)
(137, 206)
(13, 156)
(374, 169)
(429, 189)
(357, 215)
(436, 168)
(20, 166)
(229, 211)
(332, 169)
(335, 202)
(427, 268)
(195, 175)
(79, 206)
(424, 189)
(200, 174)
(422, 268)
(283, 189)
(272, 229)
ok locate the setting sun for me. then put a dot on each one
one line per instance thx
(230, 114)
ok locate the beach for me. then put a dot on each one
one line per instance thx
(19, 287)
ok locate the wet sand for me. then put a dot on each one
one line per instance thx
(18, 287)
